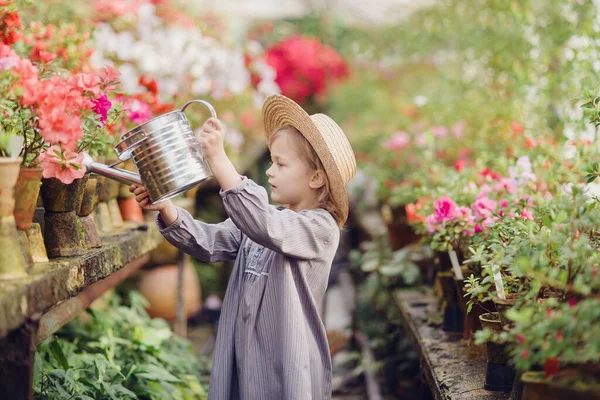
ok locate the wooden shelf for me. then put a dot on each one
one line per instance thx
(443, 355)
(55, 292)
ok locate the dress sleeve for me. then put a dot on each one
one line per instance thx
(206, 242)
(300, 235)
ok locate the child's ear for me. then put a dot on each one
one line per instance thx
(317, 180)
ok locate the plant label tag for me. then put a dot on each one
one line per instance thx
(455, 266)
(498, 282)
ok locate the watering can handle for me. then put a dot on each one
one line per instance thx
(213, 113)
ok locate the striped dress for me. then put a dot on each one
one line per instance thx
(271, 343)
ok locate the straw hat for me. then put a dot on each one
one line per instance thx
(324, 135)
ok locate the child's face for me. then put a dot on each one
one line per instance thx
(289, 175)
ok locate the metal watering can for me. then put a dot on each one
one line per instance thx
(166, 153)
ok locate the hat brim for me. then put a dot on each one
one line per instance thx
(279, 111)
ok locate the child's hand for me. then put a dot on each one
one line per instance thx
(141, 196)
(211, 139)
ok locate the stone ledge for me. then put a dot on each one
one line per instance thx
(444, 363)
(62, 278)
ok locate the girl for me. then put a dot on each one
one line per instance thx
(271, 343)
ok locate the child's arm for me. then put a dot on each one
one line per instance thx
(206, 242)
(302, 235)
(299, 235)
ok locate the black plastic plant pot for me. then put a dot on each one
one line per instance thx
(453, 319)
(499, 377)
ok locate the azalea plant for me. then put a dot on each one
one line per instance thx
(58, 113)
(305, 67)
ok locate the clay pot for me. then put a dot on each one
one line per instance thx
(26, 194)
(159, 286)
(59, 197)
(87, 213)
(12, 264)
(503, 305)
(400, 233)
(164, 253)
(89, 199)
(9, 170)
(496, 352)
(535, 387)
(63, 231)
(131, 210)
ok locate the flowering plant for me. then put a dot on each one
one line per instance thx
(48, 106)
(305, 67)
(138, 40)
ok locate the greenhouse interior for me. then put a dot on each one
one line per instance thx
(300, 199)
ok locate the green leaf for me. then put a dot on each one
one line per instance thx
(59, 355)
(154, 373)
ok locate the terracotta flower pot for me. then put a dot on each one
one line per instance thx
(12, 264)
(26, 195)
(159, 286)
(131, 210)
(9, 168)
(63, 231)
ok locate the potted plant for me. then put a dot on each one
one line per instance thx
(13, 265)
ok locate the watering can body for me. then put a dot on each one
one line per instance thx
(165, 152)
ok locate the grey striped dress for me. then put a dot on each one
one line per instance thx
(271, 343)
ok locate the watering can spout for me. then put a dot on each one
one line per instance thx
(126, 177)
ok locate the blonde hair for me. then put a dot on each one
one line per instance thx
(305, 150)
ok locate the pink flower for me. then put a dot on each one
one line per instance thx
(101, 107)
(458, 129)
(459, 165)
(526, 214)
(439, 131)
(87, 83)
(59, 127)
(478, 229)
(445, 209)
(483, 207)
(109, 77)
(399, 141)
(421, 139)
(431, 222)
(503, 203)
(505, 184)
(66, 166)
(8, 58)
(138, 111)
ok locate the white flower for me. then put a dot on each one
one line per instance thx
(420, 100)
(521, 173)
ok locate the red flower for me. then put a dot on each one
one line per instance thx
(559, 336)
(572, 302)
(525, 354)
(459, 165)
(520, 338)
(305, 67)
(516, 128)
(551, 366)
(529, 143)
(149, 83)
